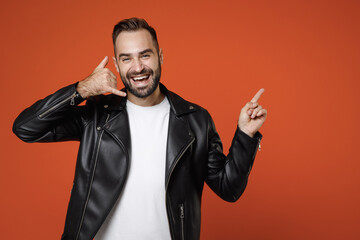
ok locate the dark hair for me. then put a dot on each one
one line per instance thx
(132, 25)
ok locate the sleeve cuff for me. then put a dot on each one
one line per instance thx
(257, 136)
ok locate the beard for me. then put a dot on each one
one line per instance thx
(142, 92)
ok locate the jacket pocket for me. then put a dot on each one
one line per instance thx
(182, 218)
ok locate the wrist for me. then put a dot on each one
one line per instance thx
(250, 134)
(82, 90)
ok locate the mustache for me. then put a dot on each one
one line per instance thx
(134, 73)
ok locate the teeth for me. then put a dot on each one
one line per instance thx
(140, 78)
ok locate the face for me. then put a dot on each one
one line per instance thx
(138, 62)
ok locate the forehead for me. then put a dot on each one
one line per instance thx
(133, 42)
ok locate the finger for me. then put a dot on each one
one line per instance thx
(262, 112)
(116, 92)
(102, 63)
(255, 112)
(251, 105)
(249, 108)
(257, 95)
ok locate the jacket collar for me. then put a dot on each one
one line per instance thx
(177, 104)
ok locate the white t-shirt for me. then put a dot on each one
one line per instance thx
(140, 211)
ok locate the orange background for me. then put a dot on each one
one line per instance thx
(306, 54)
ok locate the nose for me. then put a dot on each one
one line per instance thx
(138, 66)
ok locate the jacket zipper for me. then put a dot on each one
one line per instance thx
(259, 144)
(91, 180)
(258, 147)
(176, 161)
(182, 216)
(72, 103)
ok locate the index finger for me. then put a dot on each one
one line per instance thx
(257, 95)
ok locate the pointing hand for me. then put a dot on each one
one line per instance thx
(252, 115)
(100, 81)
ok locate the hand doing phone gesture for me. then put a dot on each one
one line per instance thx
(100, 81)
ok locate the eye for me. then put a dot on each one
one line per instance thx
(125, 59)
(145, 56)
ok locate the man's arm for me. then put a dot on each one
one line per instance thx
(54, 118)
(227, 175)
(57, 117)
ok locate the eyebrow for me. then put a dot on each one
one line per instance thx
(148, 50)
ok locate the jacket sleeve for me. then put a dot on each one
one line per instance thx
(54, 118)
(227, 175)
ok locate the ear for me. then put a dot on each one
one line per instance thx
(161, 56)
(115, 63)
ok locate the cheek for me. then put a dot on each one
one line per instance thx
(153, 65)
(123, 70)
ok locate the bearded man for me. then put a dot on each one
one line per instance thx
(144, 152)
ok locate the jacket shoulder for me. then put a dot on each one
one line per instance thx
(182, 106)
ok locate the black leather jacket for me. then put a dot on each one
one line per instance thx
(194, 155)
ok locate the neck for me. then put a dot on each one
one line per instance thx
(155, 98)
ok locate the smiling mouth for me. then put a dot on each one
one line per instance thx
(140, 78)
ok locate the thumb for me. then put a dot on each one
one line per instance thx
(103, 63)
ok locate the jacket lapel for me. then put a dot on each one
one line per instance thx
(180, 136)
(179, 139)
(118, 124)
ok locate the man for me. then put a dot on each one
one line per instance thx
(145, 153)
